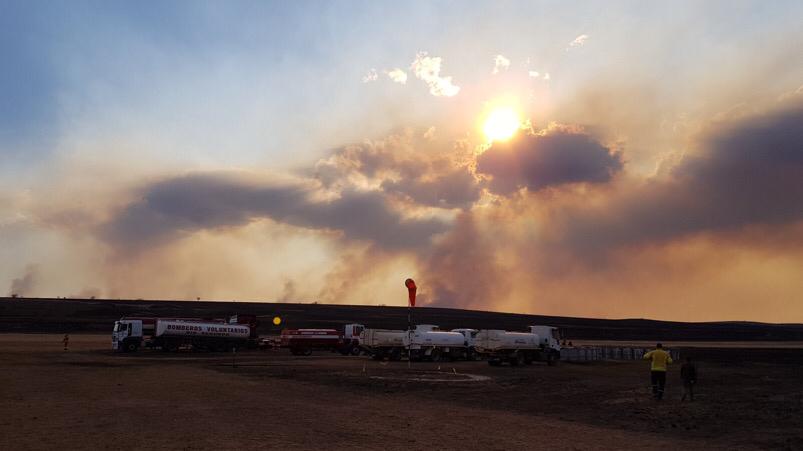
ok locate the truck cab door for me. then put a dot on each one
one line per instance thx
(136, 329)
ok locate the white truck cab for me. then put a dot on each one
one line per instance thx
(127, 335)
(468, 334)
(549, 336)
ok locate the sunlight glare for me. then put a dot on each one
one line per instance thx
(501, 124)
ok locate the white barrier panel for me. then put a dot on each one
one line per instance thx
(584, 354)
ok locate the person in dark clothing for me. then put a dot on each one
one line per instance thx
(688, 373)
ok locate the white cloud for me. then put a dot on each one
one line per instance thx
(500, 63)
(370, 76)
(533, 74)
(579, 41)
(397, 75)
(428, 68)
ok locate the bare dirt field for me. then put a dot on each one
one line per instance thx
(91, 398)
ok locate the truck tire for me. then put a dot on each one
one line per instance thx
(550, 359)
(355, 350)
(131, 346)
(517, 359)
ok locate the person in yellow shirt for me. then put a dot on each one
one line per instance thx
(660, 359)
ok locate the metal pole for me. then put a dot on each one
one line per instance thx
(409, 334)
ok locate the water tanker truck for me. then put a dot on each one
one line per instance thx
(304, 341)
(425, 342)
(170, 334)
(517, 348)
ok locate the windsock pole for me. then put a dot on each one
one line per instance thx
(411, 289)
(409, 334)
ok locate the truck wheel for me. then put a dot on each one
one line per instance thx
(306, 352)
(355, 350)
(550, 359)
(517, 359)
(131, 346)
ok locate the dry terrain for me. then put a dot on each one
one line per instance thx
(91, 398)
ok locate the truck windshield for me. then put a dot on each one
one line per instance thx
(117, 326)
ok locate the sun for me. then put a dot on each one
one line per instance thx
(501, 124)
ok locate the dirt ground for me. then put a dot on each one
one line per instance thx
(91, 398)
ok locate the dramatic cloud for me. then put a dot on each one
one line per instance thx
(457, 188)
(427, 69)
(556, 156)
(500, 64)
(398, 75)
(750, 173)
(462, 270)
(406, 165)
(579, 41)
(179, 206)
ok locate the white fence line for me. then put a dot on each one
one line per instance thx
(590, 353)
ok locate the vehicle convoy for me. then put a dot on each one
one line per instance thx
(425, 342)
(516, 348)
(170, 334)
(304, 341)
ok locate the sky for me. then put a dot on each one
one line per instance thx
(596, 159)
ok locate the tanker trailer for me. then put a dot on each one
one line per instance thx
(171, 335)
(517, 348)
(304, 341)
(384, 343)
(427, 342)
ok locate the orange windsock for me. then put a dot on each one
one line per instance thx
(410, 284)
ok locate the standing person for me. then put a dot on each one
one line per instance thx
(688, 373)
(659, 359)
(66, 341)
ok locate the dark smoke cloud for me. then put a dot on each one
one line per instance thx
(406, 165)
(458, 188)
(461, 270)
(750, 173)
(182, 205)
(556, 156)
